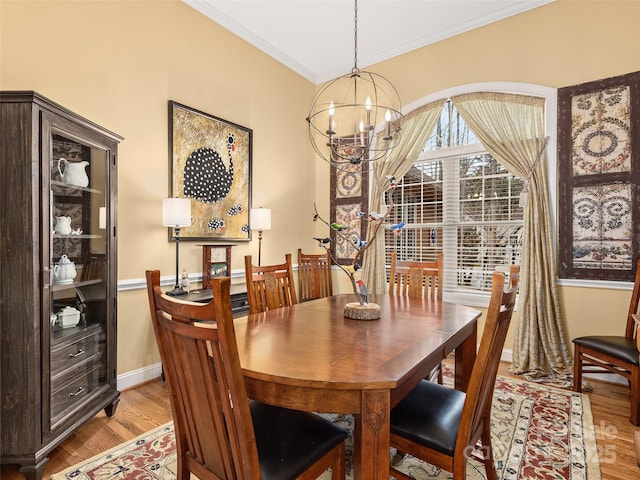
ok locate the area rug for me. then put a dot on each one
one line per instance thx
(538, 432)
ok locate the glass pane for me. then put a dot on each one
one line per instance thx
(79, 273)
(450, 130)
(485, 234)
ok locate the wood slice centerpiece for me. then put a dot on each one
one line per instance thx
(366, 311)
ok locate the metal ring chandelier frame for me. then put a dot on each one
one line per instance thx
(356, 115)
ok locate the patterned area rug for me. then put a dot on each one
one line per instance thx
(538, 432)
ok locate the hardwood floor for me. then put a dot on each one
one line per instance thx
(147, 406)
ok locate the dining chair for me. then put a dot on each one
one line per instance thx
(514, 276)
(613, 354)
(441, 425)
(314, 275)
(220, 433)
(269, 286)
(418, 280)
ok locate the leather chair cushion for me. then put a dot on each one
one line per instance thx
(289, 441)
(620, 347)
(429, 415)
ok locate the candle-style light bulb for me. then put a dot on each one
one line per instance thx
(332, 110)
(387, 117)
(367, 106)
(361, 126)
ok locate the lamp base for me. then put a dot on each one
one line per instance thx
(176, 292)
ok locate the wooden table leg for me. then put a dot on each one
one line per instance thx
(465, 357)
(371, 437)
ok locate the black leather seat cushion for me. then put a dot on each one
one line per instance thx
(430, 416)
(290, 441)
(620, 347)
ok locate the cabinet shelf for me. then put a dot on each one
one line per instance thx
(57, 185)
(56, 287)
(71, 236)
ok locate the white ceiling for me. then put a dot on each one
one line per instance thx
(315, 38)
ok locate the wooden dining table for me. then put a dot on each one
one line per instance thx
(310, 357)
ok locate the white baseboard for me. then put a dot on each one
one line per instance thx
(137, 377)
(507, 355)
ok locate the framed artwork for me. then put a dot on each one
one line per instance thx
(210, 163)
(599, 178)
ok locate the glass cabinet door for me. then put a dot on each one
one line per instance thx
(78, 307)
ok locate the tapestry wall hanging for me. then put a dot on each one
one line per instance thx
(210, 163)
(598, 161)
(349, 196)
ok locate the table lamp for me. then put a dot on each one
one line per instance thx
(260, 220)
(176, 213)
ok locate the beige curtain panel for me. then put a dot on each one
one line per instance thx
(416, 130)
(511, 128)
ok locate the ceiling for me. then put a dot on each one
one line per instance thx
(315, 38)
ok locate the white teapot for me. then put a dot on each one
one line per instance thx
(74, 173)
(64, 271)
(63, 225)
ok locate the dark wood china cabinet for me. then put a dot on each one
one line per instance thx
(57, 276)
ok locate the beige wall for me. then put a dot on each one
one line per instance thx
(118, 63)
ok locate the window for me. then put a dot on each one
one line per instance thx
(457, 199)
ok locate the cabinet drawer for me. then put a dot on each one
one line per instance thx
(74, 351)
(73, 392)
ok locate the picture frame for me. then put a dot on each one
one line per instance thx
(210, 162)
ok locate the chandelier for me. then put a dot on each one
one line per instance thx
(355, 118)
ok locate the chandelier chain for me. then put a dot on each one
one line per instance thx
(355, 37)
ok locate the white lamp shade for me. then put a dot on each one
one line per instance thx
(260, 218)
(176, 212)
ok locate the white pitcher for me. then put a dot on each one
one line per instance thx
(63, 225)
(74, 173)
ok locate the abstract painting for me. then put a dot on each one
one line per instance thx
(210, 163)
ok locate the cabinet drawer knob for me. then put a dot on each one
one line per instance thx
(77, 354)
(78, 392)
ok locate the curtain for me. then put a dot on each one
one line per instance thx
(511, 128)
(416, 129)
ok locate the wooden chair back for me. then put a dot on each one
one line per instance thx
(416, 279)
(314, 276)
(476, 413)
(630, 329)
(269, 286)
(514, 276)
(212, 421)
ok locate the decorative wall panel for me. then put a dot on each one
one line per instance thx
(598, 153)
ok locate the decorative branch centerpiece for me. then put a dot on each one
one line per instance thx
(362, 309)
(358, 116)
